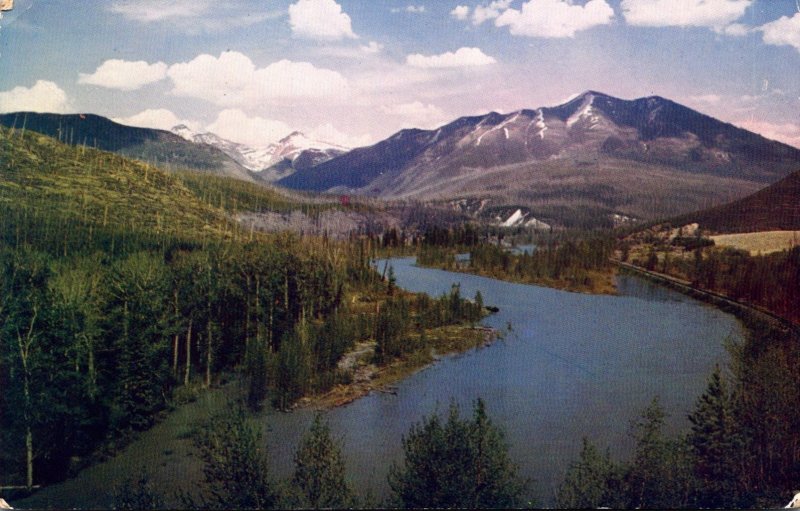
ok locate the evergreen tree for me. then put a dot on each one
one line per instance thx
(319, 476)
(136, 494)
(659, 475)
(591, 482)
(461, 463)
(236, 471)
(716, 446)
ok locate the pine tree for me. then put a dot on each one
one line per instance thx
(236, 470)
(592, 481)
(659, 475)
(716, 446)
(462, 463)
(319, 476)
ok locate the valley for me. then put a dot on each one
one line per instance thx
(134, 293)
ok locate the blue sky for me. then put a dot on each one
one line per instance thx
(356, 71)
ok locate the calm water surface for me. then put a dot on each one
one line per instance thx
(573, 365)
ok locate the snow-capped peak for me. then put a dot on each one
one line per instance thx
(260, 158)
(585, 111)
(185, 132)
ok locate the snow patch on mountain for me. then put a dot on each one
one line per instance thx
(584, 112)
(257, 159)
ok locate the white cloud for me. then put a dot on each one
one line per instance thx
(784, 31)
(736, 30)
(684, 13)
(787, 133)
(461, 12)
(233, 79)
(320, 19)
(193, 16)
(712, 99)
(147, 11)
(482, 13)
(372, 47)
(44, 96)
(328, 133)
(235, 125)
(417, 114)
(157, 118)
(125, 75)
(463, 57)
(414, 9)
(555, 18)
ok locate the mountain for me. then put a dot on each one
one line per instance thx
(775, 208)
(158, 147)
(272, 162)
(601, 155)
(44, 180)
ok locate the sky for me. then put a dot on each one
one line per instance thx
(353, 72)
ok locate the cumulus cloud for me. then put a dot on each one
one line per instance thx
(157, 118)
(125, 75)
(784, 31)
(320, 19)
(482, 13)
(736, 30)
(684, 13)
(463, 57)
(328, 133)
(235, 125)
(460, 12)
(788, 133)
(233, 79)
(372, 47)
(555, 18)
(417, 114)
(44, 96)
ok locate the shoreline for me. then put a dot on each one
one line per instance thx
(605, 286)
(370, 378)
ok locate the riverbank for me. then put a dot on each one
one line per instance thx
(595, 282)
(738, 308)
(369, 377)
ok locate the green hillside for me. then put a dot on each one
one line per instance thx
(41, 176)
(158, 147)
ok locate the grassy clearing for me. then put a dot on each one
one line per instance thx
(756, 243)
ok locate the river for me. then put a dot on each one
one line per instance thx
(572, 365)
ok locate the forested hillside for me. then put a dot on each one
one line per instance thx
(124, 290)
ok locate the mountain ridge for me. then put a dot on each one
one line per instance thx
(270, 162)
(158, 147)
(590, 151)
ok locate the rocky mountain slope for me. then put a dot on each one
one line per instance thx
(644, 158)
(271, 162)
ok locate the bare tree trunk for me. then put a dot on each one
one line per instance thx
(208, 354)
(176, 340)
(29, 457)
(188, 354)
(175, 355)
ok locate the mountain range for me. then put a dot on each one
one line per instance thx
(181, 147)
(594, 155)
(274, 161)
